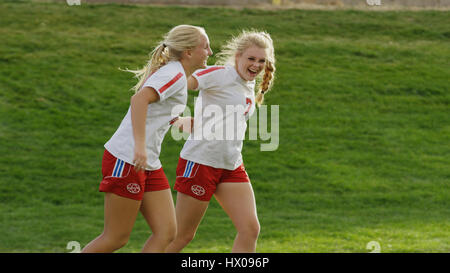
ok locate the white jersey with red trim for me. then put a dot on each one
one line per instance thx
(224, 104)
(171, 85)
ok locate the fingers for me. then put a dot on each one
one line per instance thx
(139, 168)
(185, 124)
(139, 164)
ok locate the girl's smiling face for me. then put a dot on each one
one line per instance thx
(250, 62)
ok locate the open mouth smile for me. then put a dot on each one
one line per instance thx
(252, 72)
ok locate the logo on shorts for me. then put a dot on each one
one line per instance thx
(198, 190)
(133, 188)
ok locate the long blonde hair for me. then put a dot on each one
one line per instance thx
(177, 40)
(239, 44)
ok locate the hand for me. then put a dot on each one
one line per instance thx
(140, 159)
(186, 124)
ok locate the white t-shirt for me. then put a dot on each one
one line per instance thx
(170, 83)
(224, 104)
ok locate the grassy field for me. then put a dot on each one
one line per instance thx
(364, 149)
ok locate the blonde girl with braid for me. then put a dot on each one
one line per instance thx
(212, 165)
(258, 40)
(133, 178)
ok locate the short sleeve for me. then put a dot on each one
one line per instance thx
(210, 77)
(166, 83)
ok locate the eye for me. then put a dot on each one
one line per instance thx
(262, 61)
(251, 58)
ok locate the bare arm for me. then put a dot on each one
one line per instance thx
(139, 104)
(192, 83)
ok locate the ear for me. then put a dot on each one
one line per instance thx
(187, 54)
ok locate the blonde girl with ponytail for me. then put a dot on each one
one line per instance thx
(210, 165)
(133, 178)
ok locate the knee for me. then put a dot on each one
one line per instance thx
(121, 243)
(250, 230)
(116, 241)
(185, 238)
(170, 234)
(122, 240)
(255, 229)
(167, 234)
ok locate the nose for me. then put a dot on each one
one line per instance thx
(257, 65)
(210, 52)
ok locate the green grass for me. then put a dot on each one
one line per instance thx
(364, 125)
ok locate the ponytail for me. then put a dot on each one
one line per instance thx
(159, 57)
(179, 39)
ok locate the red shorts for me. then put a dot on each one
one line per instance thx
(200, 181)
(120, 178)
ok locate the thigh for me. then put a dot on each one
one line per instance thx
(120, 214)
(158, 210)
(189, 213)
(238, 201)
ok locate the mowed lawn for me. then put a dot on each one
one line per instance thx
(364, 125)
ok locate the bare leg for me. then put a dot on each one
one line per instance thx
(120, 215)
(189, 213)
(238, 201)
(159, 212)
